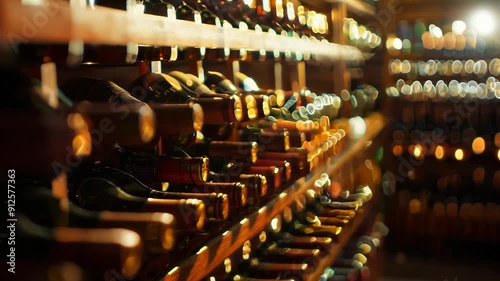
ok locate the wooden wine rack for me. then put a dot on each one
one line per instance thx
(217, 249)
(56, 21)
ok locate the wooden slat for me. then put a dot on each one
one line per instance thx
(213, 253)
(56, 22)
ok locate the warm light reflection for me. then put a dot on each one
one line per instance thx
(478, 145)
(458, 27)
(414, 206)
(498, 154)
(435, 31)
(478, 175)
(497, 140)
(397, 44)
(275, 224)
(439, 152)
(483, 22)
(417, 152)
(459, 154)
(227, 265)
(397, 150)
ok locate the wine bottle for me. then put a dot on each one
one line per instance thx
(297, 159)
(303, 242)
(273, 174)
(349, 263)
(101, 194)
(328, 203)
(327, 212)
(278, 254)
(154, 168)
(295, 271)
(62, 136)
(256, 184)
(95, 250)
(217, 204)
(284, 165)
(312, 230)
(119, 116)
(156, 229)
(336, 221)
(193, 86)
(277, 97)
(237, 192)
(227, 150)
(274, 141)
(163, 88)
(251, 106)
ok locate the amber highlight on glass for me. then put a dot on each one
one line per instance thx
(156, 229)
(52, 140)
(95, 250)
(117, 124)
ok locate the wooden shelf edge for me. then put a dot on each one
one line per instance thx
(57, 22)
(214, 252)
(357, 7)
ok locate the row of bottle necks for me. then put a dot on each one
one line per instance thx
(122, 227)
(294, 257)
(451, 67)
(274, 17)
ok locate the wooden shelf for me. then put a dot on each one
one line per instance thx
(57, 22)
(214, 252)
(358, 7)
